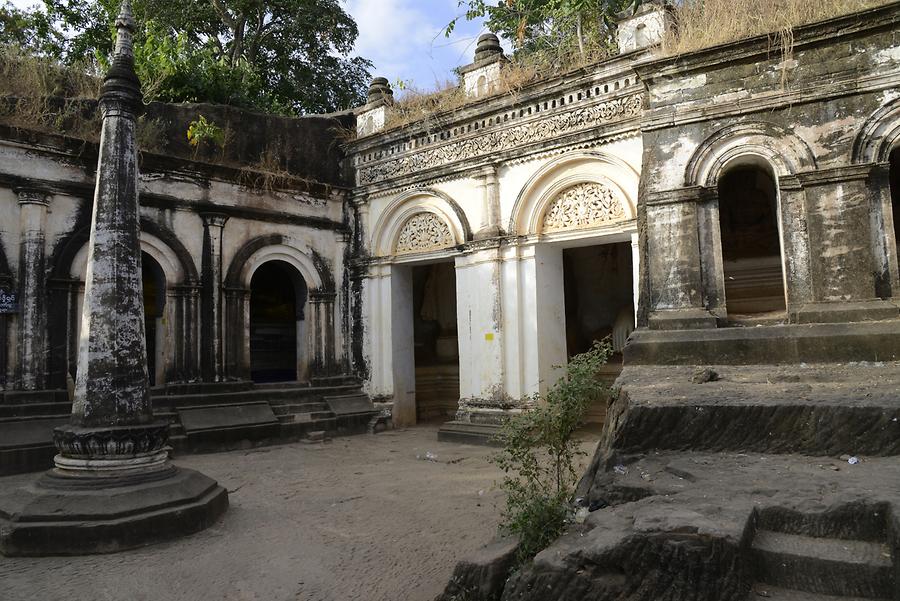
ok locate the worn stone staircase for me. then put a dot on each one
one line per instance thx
(27, 420)
(805, 557)
(202, 417)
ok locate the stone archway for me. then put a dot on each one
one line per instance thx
(313, 294)
(751, 235)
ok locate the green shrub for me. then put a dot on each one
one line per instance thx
(538, 455)
(201, 130)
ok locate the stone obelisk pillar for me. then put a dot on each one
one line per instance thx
(113, 486)
(112, 417)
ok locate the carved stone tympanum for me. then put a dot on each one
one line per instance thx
(582, 206)
(424, 232)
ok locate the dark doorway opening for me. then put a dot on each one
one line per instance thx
(154, 282)
(751, 242)
(277, 297)
(599, 302)
(436, 341)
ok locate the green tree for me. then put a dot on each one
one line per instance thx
(541, 25)
(281, 55)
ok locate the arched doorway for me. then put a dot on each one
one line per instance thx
(751, 241)
(154, 283)
(277, 299)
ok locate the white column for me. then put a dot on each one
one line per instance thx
(636, 272)
(32, 303)
(480, 324)
(213, 225)
(543, 317)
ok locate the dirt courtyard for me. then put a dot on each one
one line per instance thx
(365, 517)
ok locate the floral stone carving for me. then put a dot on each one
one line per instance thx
(582, 206)
(506, 138)
(423, 232)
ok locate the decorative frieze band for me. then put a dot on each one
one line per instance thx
(504, 139)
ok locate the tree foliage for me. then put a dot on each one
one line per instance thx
(289, 56)
(538, 455)
(546, 26)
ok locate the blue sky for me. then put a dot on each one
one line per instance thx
(405, 40)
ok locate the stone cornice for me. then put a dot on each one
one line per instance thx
(85, 190)
(834, 175)
(599, 78)
(680, 195)
(828, 89)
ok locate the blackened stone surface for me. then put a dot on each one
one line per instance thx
(692, 534)
(820, 409)
(228, 416)
(64, 520)
(482, 576)
(811, 343)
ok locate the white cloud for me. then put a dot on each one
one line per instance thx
(405, 39)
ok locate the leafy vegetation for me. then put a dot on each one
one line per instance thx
(201, 131)
(550, 28)
(284, 56)
(539, 453)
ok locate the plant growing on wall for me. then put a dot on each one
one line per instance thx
(539, 453)
(200, 131)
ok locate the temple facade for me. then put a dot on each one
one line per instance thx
(688, 197)
(697, 209)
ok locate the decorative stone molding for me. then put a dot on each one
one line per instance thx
(424, 232)
(583, 206)
(32, 196)
(111, 441)
(583, 118)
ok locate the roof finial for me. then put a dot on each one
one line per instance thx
(121, 83)
(125, 27)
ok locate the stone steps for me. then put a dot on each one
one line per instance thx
(22, 397)
(774, 593)
(26, 425)
(28, 410)
(823, 566)
(299, 408)
(468, 433)
(812, 410)
(271, 395)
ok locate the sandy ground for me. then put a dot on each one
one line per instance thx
(364, 517)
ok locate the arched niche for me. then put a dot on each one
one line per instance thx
(589, 178)
(161, 252)
(315, 300)
(784, 151)
(879, 136)
(429, 220)
(294, 257)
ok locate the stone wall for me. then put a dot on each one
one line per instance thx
(209, 218)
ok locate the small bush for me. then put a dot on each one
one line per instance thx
(202, 131)
(538, 455)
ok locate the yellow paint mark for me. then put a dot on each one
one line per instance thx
(489, 336)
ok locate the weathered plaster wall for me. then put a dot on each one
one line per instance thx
(799, 115)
